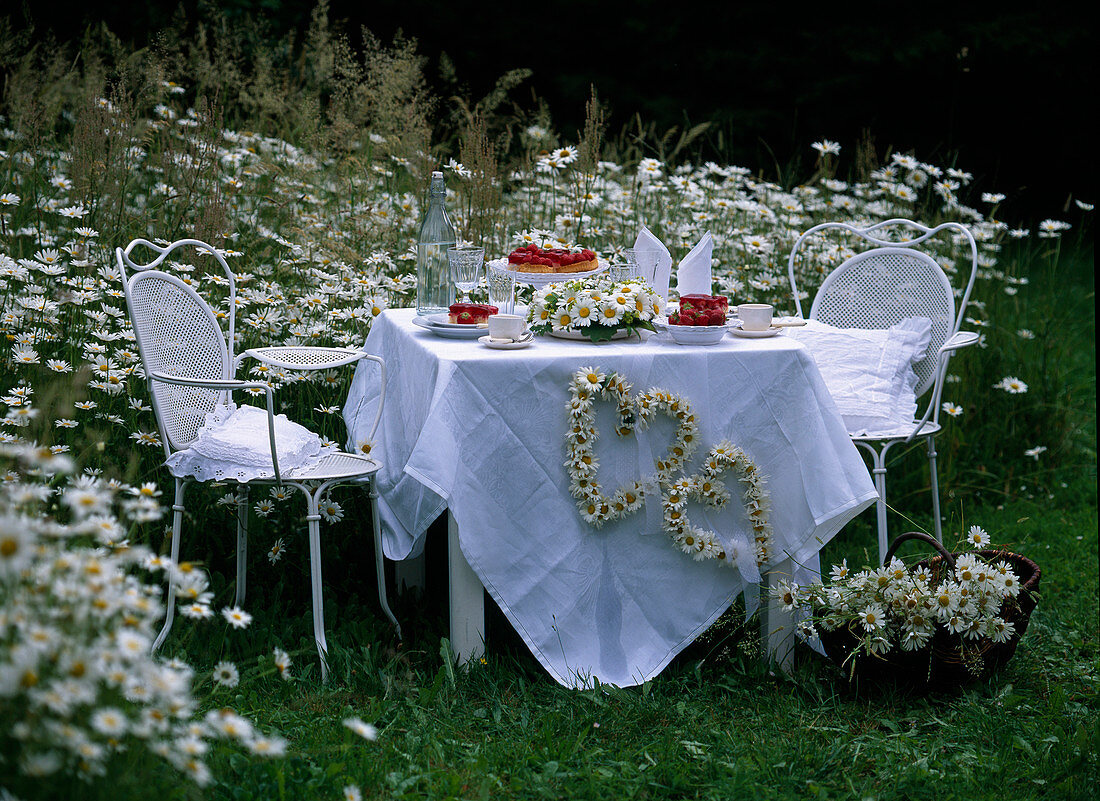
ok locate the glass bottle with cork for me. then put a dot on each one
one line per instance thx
(434, 290)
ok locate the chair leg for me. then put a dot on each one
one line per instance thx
(937, 525)
(313, 517)
(170, 601)
(242, 542)
(880, 507)
(878, 470)
(379, 560)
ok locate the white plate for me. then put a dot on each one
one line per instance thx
(697, 334)
(444, 321)
(450, 331)
(577, 336)
(737, 331)
(523, 343)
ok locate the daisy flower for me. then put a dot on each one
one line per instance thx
(109, 721)
(611, 313)
(945, 602)
(364, 730)
(977, 537)
(584, 310)
(267, 746)
(562, 319)
(236, 617)
(952, 409)
(277, 551)
(1000, 630)
(1011, 385)
(282, 662)
(226, 674)
(196, 611)
(331, 511)
(826, 147)
(589, 377)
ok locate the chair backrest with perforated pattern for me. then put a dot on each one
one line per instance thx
(881, 287)
(893, 280)
(178, 333)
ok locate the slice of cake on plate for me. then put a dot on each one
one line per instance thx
(470, 313)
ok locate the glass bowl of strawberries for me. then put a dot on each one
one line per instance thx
(701, 320)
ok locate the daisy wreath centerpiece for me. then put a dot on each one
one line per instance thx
(596, 306)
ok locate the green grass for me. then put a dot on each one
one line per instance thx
(716, 724)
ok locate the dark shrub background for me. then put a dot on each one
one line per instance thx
(1003, 94)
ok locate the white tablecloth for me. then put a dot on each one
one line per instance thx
(482, 432)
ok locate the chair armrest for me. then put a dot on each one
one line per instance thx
(227, 385)
(960, 339)
(305, 358)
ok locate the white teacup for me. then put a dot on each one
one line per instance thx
(507, 326)
(755, 316)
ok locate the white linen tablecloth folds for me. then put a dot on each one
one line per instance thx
(482, 431)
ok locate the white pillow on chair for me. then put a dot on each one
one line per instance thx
(235, 443)
(869, 372)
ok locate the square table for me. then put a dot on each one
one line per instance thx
(480, 433)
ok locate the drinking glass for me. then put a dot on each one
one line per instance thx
(466, 266)
(502, 288)
(644, 263)
(622, 270)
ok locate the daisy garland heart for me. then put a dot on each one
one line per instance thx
(674, 487)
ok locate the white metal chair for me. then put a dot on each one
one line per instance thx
(878, 288)
(191, 369)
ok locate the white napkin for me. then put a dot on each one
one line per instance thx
(693, 274)
(658, 269)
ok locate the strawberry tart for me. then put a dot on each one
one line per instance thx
(533, 259)
(701, 310)
(470, 313)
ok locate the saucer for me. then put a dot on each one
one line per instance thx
(738, 331)
(697, 334)
(514, 345)
(451, 330)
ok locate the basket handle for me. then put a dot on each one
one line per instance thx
(917, 535)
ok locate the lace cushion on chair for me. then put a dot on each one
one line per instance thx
(234, 443)
(869, 372)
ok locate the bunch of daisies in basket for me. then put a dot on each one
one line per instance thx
(901, 607)
(596, 306)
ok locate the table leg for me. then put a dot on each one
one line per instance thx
(467, 601)
(410, 573)
(778, 625)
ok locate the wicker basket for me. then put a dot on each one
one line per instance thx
(948, 660)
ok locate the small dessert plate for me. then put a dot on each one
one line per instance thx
(738, 331)
(451, 331)
(443, 321)
(511, 344)
(697, 334)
